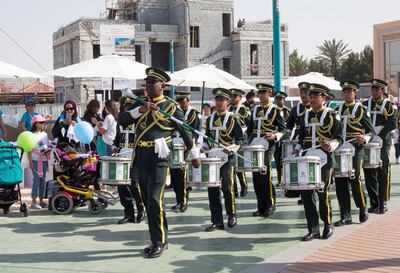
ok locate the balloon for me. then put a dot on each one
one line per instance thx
(27, 141)
(84, 131)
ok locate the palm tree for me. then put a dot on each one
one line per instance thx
(297, 64)
(333, 53)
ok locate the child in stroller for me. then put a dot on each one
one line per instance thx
(11, 175)
(76, 182)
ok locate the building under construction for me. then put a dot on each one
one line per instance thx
(202, 31)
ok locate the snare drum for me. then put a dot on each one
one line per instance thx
(343, 163)
(372, 155)
(115, 171)
(255, 158)
(206, 176)
(178, 154)
(302, 173)
(288, 147)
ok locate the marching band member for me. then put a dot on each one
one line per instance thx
(266, 127)
(356, 124)
(226, 129)
(280, 103)
(319, 125)
(384, 120)
(152, 154)
(242, 114)
(178, 176)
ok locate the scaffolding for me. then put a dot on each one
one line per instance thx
(120, 10)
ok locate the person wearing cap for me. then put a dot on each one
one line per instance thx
(152, 154)
(123, 142)
(250, 102)
(356, 122)
(178, 175)
(269, 119)
(26, 119)
(384, 120)
(242, 113)
(225, 128)
(38, 161)
(324, 123)
(293, 126)
(280, 97)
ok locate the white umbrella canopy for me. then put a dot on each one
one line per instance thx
(11, 71)
(107, 66)
(313, 77)
(208, 76)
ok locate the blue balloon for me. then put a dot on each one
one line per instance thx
(83, 131)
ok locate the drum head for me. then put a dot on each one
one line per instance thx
(318, 153)
(260, 141)
(347, 145)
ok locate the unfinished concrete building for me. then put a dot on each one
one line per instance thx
(203, 31)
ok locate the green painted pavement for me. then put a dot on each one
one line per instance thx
(81, 242)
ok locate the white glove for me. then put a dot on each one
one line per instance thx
(161, 148)
(194, 153)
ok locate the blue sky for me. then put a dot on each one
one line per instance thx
(32, 22)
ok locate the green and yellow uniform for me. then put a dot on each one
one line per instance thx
(153, 133)
(178, 175)
(278, 149)
(384, 120)
(327, 127)
(125, 139)
(242, 114)
(358, 123)
(224, 128)
(265, 118)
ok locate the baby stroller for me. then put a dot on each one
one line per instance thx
(11, 175)
(76, 184)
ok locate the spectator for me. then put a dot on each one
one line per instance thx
(108, 128)
(3, 133)
(26, 120)
(38, 161)
(92, 116)
(65, 120)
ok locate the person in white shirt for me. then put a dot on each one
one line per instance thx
(108, 128)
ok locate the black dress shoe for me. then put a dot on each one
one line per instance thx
(156, 250)
(328, 231)
(176, 207)
(382, 208)
(182, 207)
(373, 209)
(343, 222)
(232, 221)
(243, 192)
(268, 212)
(310, 236)
(140, 216)
(236, 194)
(363, 217)
(214, 227)
(126, 220)
(257, 213)
(300, 202)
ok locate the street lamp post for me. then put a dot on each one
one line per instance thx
(277, 45)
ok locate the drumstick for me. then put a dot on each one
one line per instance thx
(348, 141)
(184, 125)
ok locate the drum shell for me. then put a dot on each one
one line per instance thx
(115, 171)
(255, 154)
(343, 163)
(206, 176)
(178, 156)
(372, 156)
(302, 173)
